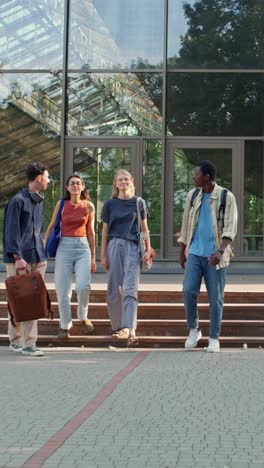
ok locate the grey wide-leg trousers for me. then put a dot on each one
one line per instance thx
(122, 283)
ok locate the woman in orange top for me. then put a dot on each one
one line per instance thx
(76, 252)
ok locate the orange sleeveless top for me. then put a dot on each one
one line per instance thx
(74, 219)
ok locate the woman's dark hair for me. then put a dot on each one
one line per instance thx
(84, 193)
(34, 170)
(207, 167)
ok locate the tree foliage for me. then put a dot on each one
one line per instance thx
(223, 34)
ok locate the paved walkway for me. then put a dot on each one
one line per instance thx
(82, 408)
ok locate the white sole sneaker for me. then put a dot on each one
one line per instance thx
(192, 343)
(213, 346)
(33, 353)
(15, 348)
(211, 350)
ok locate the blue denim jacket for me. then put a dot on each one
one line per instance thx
(23, 229)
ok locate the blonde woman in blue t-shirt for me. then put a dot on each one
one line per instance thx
(120, 255)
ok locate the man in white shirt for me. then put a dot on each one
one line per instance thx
(206, 233)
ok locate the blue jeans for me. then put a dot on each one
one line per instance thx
(73, 254)
(195, 269)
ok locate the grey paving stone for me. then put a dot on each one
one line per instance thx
(176, 407)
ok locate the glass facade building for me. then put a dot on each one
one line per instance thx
(153, 86)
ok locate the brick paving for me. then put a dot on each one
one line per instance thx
(156, 409)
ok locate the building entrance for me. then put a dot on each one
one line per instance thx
(163, 176)
(182, 157)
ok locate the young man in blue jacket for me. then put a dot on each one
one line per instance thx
(24, 250)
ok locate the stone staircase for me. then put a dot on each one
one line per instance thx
(161, 320)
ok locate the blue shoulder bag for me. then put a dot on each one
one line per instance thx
(55, 235)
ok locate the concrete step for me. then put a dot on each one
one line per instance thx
(161, 319)
(151, 327)
(161, 296)
(143, 341)
(165, 311)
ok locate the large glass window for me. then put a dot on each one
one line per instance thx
(152, 188)
(254, 198)
(30, 119)
(114, 86)
(31, 34)
(127, 104)
(215, 34)
(215, 104)
(116, 34)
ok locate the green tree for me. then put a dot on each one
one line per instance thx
(222, 34)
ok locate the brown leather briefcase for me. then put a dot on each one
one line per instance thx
(28, 298)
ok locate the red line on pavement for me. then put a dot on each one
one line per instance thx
(56, 441)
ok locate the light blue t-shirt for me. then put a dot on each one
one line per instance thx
(203, 242)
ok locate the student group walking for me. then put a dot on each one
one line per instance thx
(209, 226)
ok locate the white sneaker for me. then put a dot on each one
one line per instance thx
(193, 338)
(15, 347)
(213, 346)
(32, 351)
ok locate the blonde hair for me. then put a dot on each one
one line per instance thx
(115, 191)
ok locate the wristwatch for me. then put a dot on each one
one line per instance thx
(220, 251)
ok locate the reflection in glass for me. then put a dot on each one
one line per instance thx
(114, 104)
(152, 177)
(30, 117)
(215, 34)
(185, 160)
(97, 167)
(115, 34)
(215, 104)
(31, 34)
(254, 198)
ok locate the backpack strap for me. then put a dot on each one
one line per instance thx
(222, 206)
(58, 218)
(138, 200)
(194, 195)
